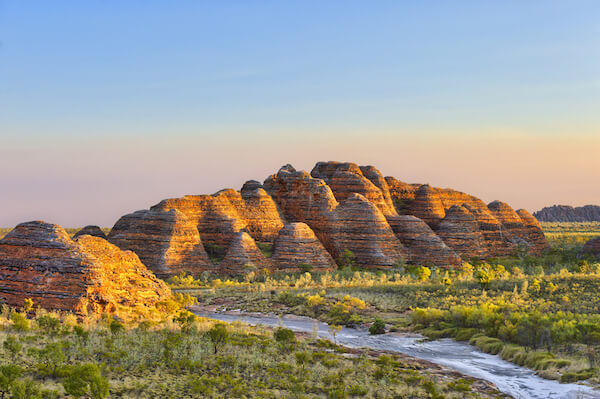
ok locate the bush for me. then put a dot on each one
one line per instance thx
(346, 259)
(218, 335)
(284, 335)
(378, 327)
(86, 380)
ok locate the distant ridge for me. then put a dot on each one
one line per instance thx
(567, 213)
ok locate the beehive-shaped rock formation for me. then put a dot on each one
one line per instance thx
(296, 245)
(348, 207)
(89, 276)
(167, 242)
(243, 256)
(91, 230)
(460, 231)
(423, 245)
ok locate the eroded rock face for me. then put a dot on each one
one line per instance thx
(346, 179)
(243, 256)
(348, 207)
(297, 244)
(89, 276)
(220, 216)
(166, 241)
(460, 231)
(532, 232)
(592, 247)
(356, 224)
(423, 245)
(93, 231)
(428, 206)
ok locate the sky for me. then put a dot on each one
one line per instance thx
(109, 107)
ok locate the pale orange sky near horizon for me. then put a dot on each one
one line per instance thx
(75, 181)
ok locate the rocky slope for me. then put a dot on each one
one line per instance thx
(566, 213)
(88, 275)
(338, 206)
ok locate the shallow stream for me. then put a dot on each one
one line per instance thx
(511, 379)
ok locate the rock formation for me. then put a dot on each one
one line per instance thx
(243, 256)
(166, 241)
(297, 244)
(592, 247)
(93, 231)
(89, 276)
(566, 213)
(532, 232)
(346, 179)
(423, 245)
(356, 224)
(460, 231)
(347, 207)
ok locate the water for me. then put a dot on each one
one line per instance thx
(511, 379)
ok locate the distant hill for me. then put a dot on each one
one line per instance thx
(567, 213)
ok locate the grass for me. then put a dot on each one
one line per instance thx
(187, 356)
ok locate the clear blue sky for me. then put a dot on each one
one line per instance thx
(107, 107)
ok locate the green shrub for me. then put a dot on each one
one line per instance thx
(378, 327)
(284, 335)
(86, 380)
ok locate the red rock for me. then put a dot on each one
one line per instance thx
(89, 276)
(533, 233)
(460, 231)
(166, 241)
(428, 206)
(93, 231)
(220, 216)
(345, 179)
(297, 244)
(359, 226)
(356, 224)
(243, 256)
(423, 245)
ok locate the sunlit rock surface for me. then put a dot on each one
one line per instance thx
(243, 256)
(297, 245)
(166, 241)
(383, 221)
(89, 276)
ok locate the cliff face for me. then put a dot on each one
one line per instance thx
(89, 276)
(566, 213)
(337, 207)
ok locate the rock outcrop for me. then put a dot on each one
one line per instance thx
(89, 276)
(532, 232)
(423, 245)
(165, 241)
(91, 230)
(347, 207)
(460, 231)
(592, 247)
(243, 256)
(428, 206)
(567, 213)
(346, 179)
(356, 224)
(297, 245)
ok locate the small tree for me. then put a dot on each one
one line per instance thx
(284, 335)
(28, 304)
(334, 329)
(8, 375)
(12, 346)
(378, 327)
(218, 335)
(346, 259)
(86, 380)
